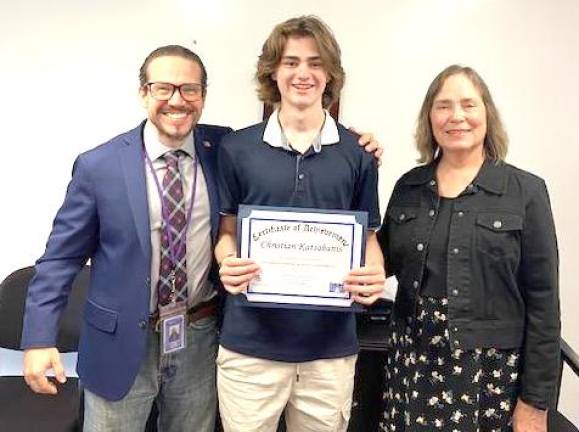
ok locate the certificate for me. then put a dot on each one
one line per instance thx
(304, 254)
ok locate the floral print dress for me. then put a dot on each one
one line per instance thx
(431, 386)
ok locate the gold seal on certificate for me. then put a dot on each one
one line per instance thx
(304, 254)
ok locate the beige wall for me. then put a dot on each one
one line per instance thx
(69, 82)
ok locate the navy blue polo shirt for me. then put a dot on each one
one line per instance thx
(335, 173)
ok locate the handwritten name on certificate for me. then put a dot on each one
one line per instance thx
(304, 254)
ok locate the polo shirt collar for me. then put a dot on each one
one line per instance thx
(273, 133)
(156, 149)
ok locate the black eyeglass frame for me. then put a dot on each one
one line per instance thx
(176, 87)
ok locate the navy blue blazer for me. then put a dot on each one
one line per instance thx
(105, 218)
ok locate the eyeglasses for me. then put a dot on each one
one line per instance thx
(163, 91)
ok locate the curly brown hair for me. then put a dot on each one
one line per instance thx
(273, 48)
(496, 141)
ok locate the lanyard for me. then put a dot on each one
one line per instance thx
(173, 248)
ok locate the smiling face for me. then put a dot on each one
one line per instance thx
(175, 118)
(458, 116)
(300, 76)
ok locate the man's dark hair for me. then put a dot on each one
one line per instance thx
(175, 51)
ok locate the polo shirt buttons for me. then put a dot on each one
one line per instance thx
(431, 212)
(497, 224)
(415, 284)
(301, 176)
(420, 247)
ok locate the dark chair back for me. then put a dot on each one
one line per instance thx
(12, 299)
(557, 422)
(13, 292)
(20, 408)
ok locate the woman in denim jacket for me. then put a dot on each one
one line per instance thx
(471, 240)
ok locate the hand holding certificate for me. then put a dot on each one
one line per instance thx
(367, 283)
(303, 255)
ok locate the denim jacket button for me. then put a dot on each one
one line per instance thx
(415, 284)
(455, 251)
(431, 212)
(455, 292)
(460, 214)
(497, 224)
(420, 247)
(402, 217)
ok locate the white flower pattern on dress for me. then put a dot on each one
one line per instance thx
(434, 387)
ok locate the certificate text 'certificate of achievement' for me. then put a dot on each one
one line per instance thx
(304, 254)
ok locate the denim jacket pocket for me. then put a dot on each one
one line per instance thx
(402, 215)
(498, 234)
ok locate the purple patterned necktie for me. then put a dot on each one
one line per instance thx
(173, 272)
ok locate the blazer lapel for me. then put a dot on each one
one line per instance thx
(205, 150)
(135, 180)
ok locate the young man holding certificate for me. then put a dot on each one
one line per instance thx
(301, 360)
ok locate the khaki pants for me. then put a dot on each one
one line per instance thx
(253, 392)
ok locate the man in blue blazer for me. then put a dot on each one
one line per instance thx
(112, 216)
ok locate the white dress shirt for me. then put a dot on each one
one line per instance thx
(198, 242)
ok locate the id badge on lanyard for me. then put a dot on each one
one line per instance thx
(173, 319)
